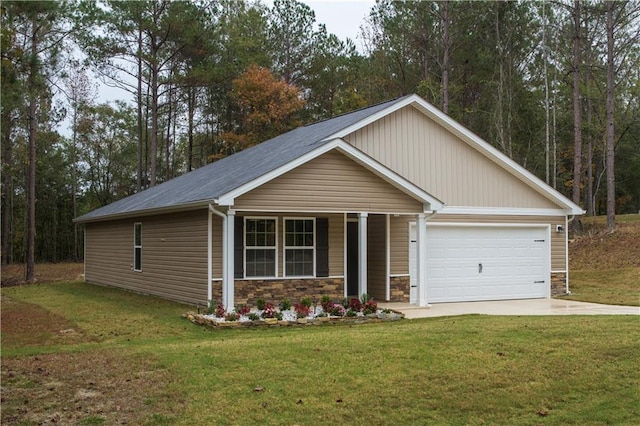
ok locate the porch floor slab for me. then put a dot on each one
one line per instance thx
(511, 307)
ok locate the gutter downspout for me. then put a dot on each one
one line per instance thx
(225, 271)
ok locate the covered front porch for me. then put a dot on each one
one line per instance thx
(276, 256)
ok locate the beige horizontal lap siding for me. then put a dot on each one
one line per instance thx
(216, 247)
(174, 255)
(331, 182)
(400, 235)
(336, 238)
(431, 157)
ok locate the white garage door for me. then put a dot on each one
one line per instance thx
(471, 263)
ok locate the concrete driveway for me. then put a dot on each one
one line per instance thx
(512, 307)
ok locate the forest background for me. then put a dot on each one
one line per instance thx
(555, 85)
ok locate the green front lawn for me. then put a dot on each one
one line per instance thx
(80, 354)
(614, 287)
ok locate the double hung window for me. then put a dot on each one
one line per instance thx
(137, 247)
(260, 247)
(299, 247)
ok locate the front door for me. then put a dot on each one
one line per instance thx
(352, 259)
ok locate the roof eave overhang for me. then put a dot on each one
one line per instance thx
(431, 203)
(147, 212)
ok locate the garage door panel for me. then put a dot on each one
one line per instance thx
(486, 263)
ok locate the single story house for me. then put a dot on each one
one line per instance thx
(397, 200)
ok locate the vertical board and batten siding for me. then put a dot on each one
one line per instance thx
(331, 182)
(376, 256)
(400, 236)
(336, 239)
(174, 255)
(443, 165)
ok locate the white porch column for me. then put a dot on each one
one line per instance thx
(229, 272)
(421, 259)
(362, 253)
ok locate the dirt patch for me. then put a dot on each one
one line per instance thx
(26, 324)
(596, 248)
(85, 388)
(44, 273)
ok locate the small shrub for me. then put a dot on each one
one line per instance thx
(371, 307)
(326, 303)
(285, 305)
(386, 311)
(364, 298)
(211, 307)
(269, 311)
(243, 310)
(336, 310)
(220, 311)
(352, 313)
(279, 316)
(260, 304)
(355, 305)
(306, 301)
(253, 316)
(345, 303)
(231, 316)
(302, 311)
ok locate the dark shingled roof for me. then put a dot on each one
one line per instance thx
(216, 179)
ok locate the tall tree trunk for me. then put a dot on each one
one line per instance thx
(154, 122)
(577, 107)
(611, 183)
(31, 174)
(545, 61)
(191, 105)
(7, 191)
(139, 100)
(446, 52)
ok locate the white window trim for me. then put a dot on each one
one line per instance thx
(245, 247)
(136, 246)
(285, 247)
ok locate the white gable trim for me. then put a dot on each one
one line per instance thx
(474, 141)
(431, 203)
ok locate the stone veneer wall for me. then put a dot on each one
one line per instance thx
(275, 290)
(558, 283)
(399, 289)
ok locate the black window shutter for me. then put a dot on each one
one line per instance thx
(238, 255)
(322, 247)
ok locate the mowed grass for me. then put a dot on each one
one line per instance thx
(605, 267)
(93, 355)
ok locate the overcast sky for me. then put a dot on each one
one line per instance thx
(342, 17)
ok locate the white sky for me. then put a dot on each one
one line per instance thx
(342, 17)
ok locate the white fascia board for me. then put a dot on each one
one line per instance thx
(475, 141)
(351, 152)
(503, 211)
(146, 212)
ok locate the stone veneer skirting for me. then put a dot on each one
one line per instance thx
(558, 283)
(276, 290)
(399, 289)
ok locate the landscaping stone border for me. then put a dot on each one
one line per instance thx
(201, 319)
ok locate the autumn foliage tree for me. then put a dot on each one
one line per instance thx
(267, 107)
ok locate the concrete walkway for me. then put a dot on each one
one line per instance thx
(512, 307)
